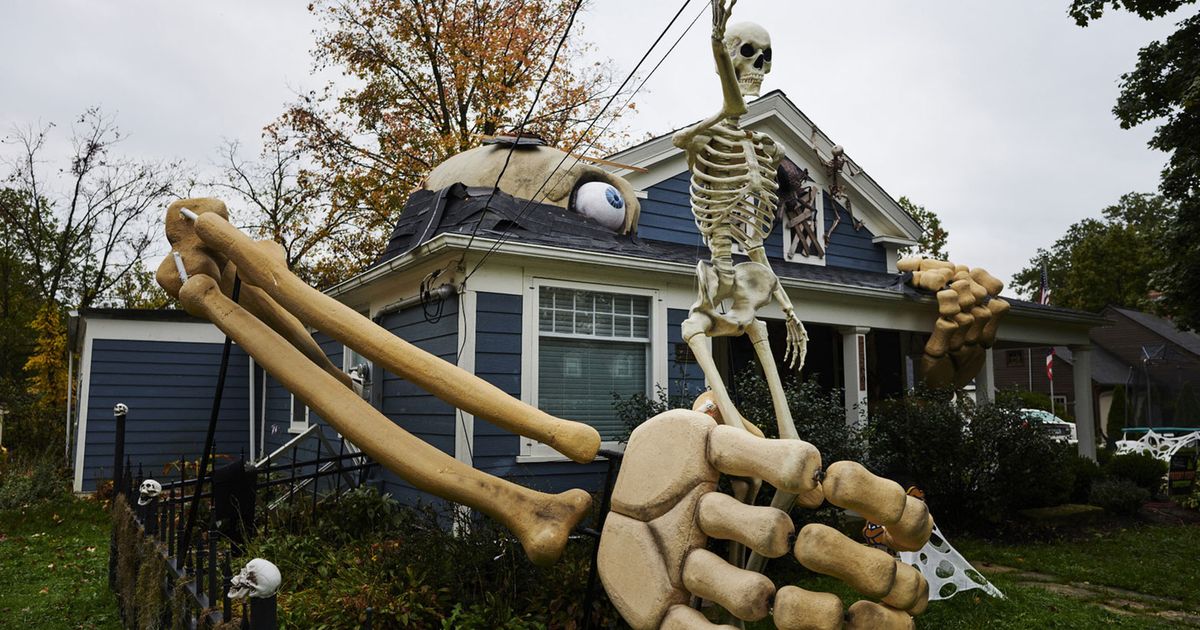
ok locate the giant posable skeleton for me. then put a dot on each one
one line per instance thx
(733, 194)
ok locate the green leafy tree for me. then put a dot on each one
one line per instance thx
(1105, 261)
(932, 243)
(1164, 88)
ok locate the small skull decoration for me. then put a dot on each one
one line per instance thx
(120, 410)
(148, 491)
(749, 47)
(259, 578)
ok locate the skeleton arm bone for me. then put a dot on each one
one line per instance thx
(542, 522)
(734, 105)
(462, 389)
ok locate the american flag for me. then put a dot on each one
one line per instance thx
(1044, 293)
(1044, 298)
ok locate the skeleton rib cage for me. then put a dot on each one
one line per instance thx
(734, 190)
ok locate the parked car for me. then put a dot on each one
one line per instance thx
(1058, 429)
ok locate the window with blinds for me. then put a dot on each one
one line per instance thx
(591, 345)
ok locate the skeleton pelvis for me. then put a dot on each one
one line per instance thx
(749, 288)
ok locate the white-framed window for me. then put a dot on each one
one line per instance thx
(584, 343)
(298, 416)
(791, 234)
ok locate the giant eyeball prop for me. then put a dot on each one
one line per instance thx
(602, 203)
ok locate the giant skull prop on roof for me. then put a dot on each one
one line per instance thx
(749, 46)
(544, 175)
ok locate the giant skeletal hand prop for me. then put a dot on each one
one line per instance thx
(270, 327)
(969, 313)
(665, 506)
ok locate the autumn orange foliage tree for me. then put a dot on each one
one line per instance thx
(429, 79)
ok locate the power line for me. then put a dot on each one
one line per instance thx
(532, 105)
(641, 85)
(529, 203)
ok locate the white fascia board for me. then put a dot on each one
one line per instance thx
(894, 240)
(140, 330)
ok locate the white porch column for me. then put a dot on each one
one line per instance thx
(985, 381)
(854, 372)
(1085, 422)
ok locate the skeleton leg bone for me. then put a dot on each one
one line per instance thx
(542, 522)
(462, 389)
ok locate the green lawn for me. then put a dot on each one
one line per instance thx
(1162, 561)
(53, 574)
(1153, 559)
(54, 567)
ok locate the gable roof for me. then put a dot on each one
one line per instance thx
(792, 128)
(1163, 328)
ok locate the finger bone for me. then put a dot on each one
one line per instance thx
(850, 485)
(798, 609)
(745, 594)
(864, 615)
(827, 551)
(763, 529)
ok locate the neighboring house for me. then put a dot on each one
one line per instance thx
(564, 313)
(1157, 363)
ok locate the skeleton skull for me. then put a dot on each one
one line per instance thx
(120, 409)
(148, 491)
(749, 46)
(259, 578)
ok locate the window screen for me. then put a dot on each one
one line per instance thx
(592, 345)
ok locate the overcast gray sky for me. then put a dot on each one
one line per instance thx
(996, 114)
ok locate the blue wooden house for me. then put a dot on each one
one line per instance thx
(557, 310)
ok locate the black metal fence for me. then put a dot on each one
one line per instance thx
(237, 501)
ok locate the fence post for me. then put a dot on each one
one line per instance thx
(259, 581)
(118, 483)
(118, 470)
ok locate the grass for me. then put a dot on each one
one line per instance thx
(54, 566)
(1153, 559)
(53, 574)
(1025, 607)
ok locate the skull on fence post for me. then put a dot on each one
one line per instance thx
(259, 579)
(148, 491)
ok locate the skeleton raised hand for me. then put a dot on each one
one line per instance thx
(665, 507)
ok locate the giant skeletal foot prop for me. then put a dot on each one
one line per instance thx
(969, 312)
(665, 507)
(206, 246)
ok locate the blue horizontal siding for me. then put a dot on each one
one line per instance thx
(410, 407)
(849, 248)
(667, 216)
(168, 387)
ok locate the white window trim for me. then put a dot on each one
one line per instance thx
(532, 451)
(293, 426)
(800, 258)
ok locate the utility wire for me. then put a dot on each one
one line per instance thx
(524, 120)
(625, 105)
(529, 203)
